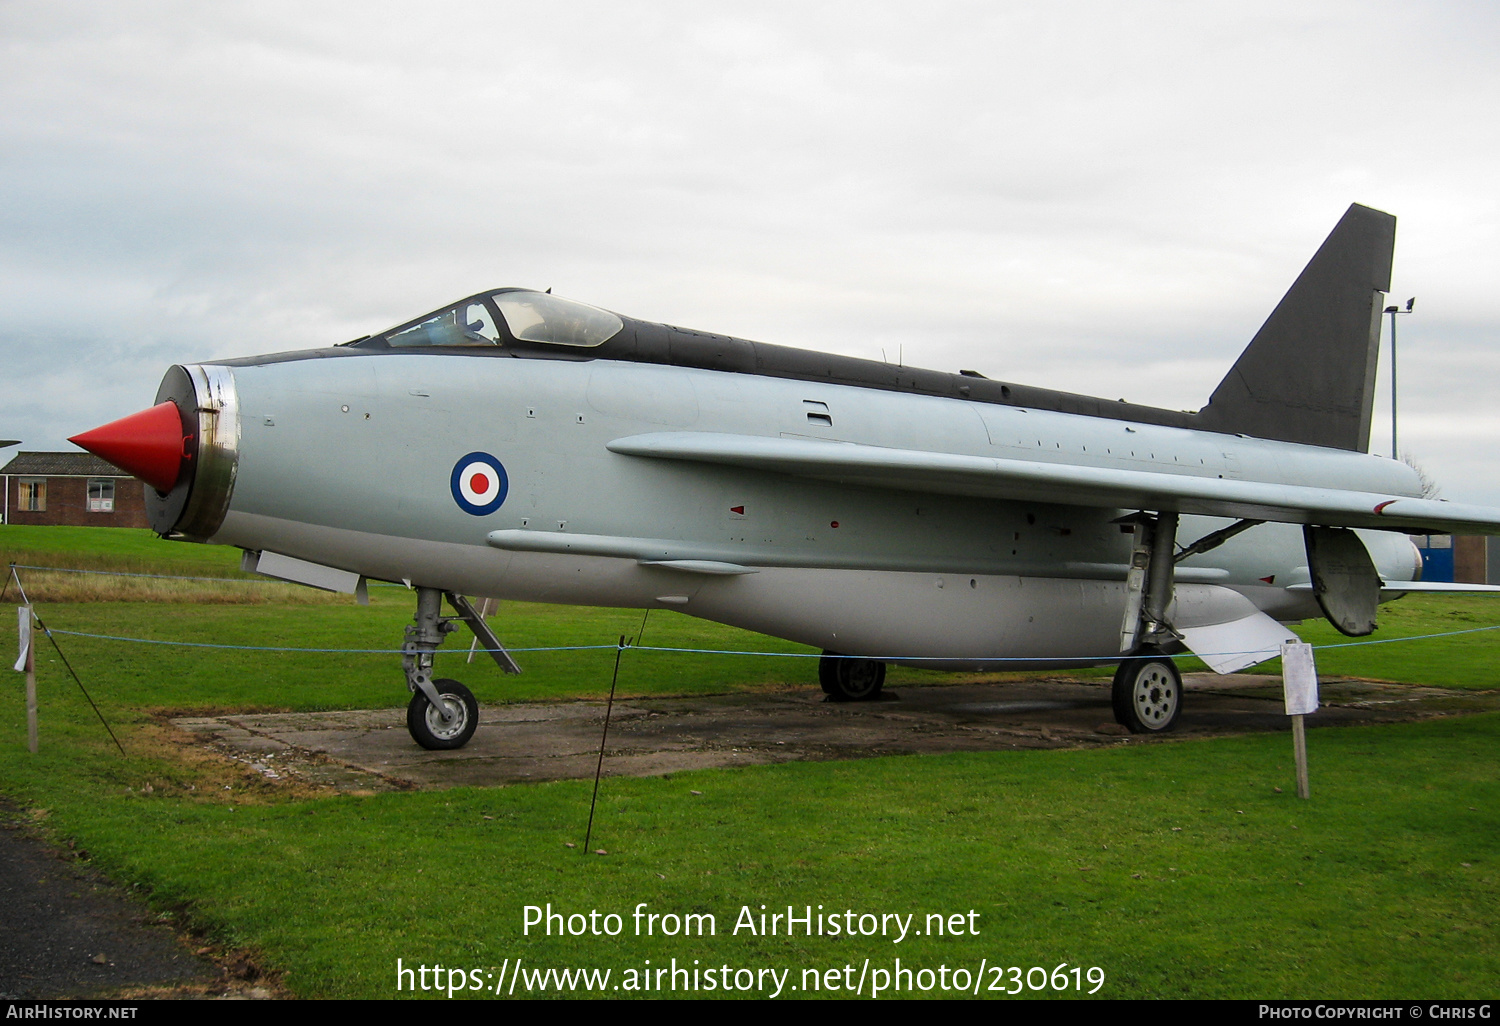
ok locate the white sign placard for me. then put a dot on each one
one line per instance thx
(23, 633)
(1299, 678)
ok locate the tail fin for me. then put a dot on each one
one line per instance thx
(1309, 374)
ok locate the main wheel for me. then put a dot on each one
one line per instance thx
(426, 724)
(828, 672)
(1147, 694)
(851, 680)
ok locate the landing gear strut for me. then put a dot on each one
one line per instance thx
(1147, 693)
(1148, 583)
(1148, 688)
(443, 714)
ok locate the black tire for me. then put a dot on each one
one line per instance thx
(1147, 694)
(851, 680)
(427, 727)
(828, 672)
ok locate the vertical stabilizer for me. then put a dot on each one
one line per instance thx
(1309, 374)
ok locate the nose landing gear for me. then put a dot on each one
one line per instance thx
(427, 725)
(443, 714)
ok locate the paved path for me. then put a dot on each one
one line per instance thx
(64, 932)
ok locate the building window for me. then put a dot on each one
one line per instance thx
(33, 495)
(101, 495)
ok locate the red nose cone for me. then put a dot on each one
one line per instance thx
(149, 444)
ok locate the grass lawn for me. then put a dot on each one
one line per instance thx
(1177, 869)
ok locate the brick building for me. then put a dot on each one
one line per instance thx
(1476, 559)
(74, 488)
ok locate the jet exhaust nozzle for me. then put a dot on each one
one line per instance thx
(151, 444)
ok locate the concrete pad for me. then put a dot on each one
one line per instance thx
(370, 750)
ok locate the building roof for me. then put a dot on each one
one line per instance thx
(61, 464)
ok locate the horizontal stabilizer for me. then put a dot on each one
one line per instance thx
(1225, 630)
(1231, 647)
(1433, 587)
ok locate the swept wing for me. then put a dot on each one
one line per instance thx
(1067, 484)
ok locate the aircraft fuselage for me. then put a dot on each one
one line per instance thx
(348, 462)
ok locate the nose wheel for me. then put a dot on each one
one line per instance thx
(1147, 694)
(427, 724)
(443, 714)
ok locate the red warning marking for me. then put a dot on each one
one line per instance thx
(1269, 580)
(737, 509)
(833, 523)
(479, 483)
(1381, 507)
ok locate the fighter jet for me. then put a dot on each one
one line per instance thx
(519, 445)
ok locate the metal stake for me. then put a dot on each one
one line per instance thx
(599, 767)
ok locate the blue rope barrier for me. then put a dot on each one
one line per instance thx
(1081, 660)
(1115, 657)
(280, 648)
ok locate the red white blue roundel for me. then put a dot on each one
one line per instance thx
(479, 484)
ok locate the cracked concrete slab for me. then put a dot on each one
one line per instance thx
(370, 750)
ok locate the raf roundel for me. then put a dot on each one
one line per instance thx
(479, 484)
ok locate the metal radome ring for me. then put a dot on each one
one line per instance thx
(479, 484)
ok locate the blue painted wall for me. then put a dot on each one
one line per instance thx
(1437, 564)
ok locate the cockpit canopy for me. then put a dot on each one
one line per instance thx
(503, 317)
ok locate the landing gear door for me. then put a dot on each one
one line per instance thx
(1343, 578)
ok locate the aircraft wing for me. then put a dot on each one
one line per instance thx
(1063, 483)
(1431, 587)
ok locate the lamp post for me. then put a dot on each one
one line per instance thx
(1393, 311)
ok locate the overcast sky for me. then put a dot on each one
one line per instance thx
(1103, 197)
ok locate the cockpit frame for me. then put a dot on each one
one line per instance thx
(503, 317)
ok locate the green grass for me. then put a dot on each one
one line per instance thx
(132, 566)
(1178, 869)
(1462, 661)
(113, 548)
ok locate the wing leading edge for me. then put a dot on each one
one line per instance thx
(1063, 484)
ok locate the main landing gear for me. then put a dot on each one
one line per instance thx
(443, 714)
(1147, 694)
(847, 679)
(1148, 688)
